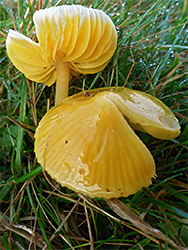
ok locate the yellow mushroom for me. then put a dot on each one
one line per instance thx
(86, 143)
(72, 39)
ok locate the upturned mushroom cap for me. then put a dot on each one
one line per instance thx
(86, 144)
(84, 37)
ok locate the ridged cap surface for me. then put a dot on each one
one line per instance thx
(85, 142)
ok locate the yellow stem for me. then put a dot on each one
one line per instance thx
(62, 83)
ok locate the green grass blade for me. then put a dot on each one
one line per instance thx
(38, 219)
(22, 116)
(29, 175)
(139, 22)
(163, 62)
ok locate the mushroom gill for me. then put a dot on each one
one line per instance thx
(72, 39)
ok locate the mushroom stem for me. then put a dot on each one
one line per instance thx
(62, 83)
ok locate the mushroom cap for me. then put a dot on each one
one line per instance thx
(83, 36)
(146, 113)
(85, 142)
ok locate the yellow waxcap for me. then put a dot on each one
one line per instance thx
(84, 37)
(85, 142)
(146, 113)
(27, 56)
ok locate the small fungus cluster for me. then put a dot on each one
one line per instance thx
(86, 142)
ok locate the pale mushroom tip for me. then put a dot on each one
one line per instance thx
(72, 39)
(86, 142)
